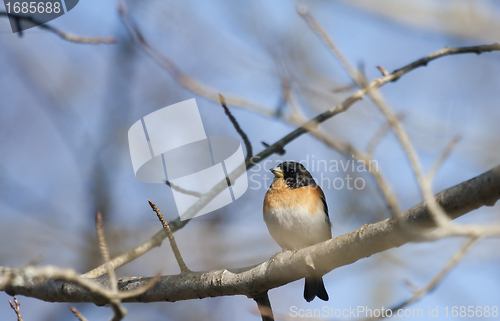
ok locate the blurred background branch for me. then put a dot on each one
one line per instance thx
(65, 111)
(63, 35)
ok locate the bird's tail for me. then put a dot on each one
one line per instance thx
(314, 287)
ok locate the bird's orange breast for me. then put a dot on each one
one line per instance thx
(280, 196)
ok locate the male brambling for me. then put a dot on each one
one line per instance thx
(296, 216)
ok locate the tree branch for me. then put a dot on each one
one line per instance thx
(16, 306)
(182, 190)
(78, 314)
(237, 126)
(119, 311)
(285, 267)
(264, 306)
(64, 35)
(171, 238)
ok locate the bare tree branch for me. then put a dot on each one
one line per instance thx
(279, 152)
(105, 252)
(182, 190)
(119, 311)
(141, 249)
(285, 267)
(382, 70)
(78, 314)
(16, 306)
(432, 172)
(313, 24)
(63, 35)
(264, 306)
(379, 134)
(240, 131)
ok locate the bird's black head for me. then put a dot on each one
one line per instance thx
(294, 174)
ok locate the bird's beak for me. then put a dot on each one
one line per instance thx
(278, 172)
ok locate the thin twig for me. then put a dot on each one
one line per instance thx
(34, 261)
(279, 152)
(63, 35)
(296, 113)
(313, 24)
(432, 172)
(171, 238)
(237, 126)
(182, 190)
(379, 135)
(105, 252)
(264, 306)
(383, 70)
(278, 147)
(141, 249)
(119, 311)
(345, 88)
(16, 306)
(78, 314)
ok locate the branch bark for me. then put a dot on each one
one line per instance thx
(283, 268)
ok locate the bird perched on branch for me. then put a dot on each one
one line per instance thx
(296, 216)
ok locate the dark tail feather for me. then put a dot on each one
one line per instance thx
(314, 287)
(322, 294)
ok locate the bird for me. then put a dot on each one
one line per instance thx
(296, 215)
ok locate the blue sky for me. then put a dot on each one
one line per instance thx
(66, 109)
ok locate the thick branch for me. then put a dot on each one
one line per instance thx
(285, 267)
